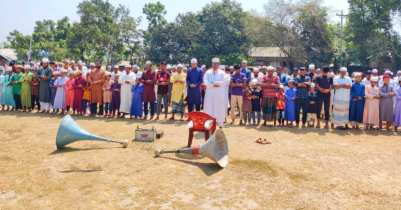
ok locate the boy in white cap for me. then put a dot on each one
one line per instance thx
(26, 80)
(69, 95)
(312, 108)
(53, 90)
(357, 102)
(15, 81)
(116, 71)
(340, 114)
(107, 94)
(59, 100)
(280, 106)
(45, 74)
(34, 91)
(371, 115)
(126, 80)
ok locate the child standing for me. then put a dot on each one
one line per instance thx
(280, 106)
(53, 89)
(26, 80)
(290, 97)
(257, 94)
(247, 104)
(312, 108)
(136, 105)
(115, 98)
(35, 89)
(86, 96)
(69, 87)
(107, 94)
(59, 100)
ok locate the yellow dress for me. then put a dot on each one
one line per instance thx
(26, 89)
(178, 88)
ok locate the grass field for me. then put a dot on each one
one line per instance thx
(301, 169)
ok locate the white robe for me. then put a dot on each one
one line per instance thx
(126, 94)
(59, 100)
(215, 98)
(341, 101)
(113, 75)
(227, 81)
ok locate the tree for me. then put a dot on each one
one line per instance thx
(20, 43)
(155, 15)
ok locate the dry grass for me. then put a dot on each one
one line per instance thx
(301, 169)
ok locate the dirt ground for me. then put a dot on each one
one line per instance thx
(301, 169)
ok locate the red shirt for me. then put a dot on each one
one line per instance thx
(270, 92)
(280, 104)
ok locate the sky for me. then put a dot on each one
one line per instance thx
(32, 11)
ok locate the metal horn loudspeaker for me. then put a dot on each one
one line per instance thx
(215, 148)
(70, 132)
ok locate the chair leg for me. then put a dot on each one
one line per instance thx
(207, 135)
(190, 137)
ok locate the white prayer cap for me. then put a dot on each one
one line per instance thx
(108, 73)
(66, 61)
(203, 66)
(27, 67)
(312, 85)
(185, 68)
(71, 72)
(215, 60)
(375, 71)
(45, 60)
(343, 69)
(79, 62)
(56, 73)
(291, 80)
(374, 79)
(72, 61)
(264, 67)
(127, 66)
(399, 72)
(31, 62)
(168, 67)
(388, 72)
(254, 82)
(312, 66)
(38, 64)
(222, 67)
(135, 67)
(148, 63)
(92, 64)
(244, 61)
(116, 67)
(231, 67)
(332, 74)
(357, 74)
(331, 65)
(19, 66)
(108, 66)
(256, 70)
(270, 68)
(179, 65)
(63, 71)
(138, 76)
(282, 86)
(194, 60)
(174, 67)
(9, 69)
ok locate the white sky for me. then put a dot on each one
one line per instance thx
(32, 11)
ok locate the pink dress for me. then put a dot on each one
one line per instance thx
(69, 96)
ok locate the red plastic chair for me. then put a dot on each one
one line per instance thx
(198, 120)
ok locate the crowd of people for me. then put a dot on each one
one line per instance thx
(264, 93)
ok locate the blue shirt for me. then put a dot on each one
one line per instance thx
(247, 73)
(237, 79)
(283, 79)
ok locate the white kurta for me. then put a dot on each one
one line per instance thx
(59, 100)
(113, 74)
(215, 102)
(340, 114)
(126, 94)
(227, 81)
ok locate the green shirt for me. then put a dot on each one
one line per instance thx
(16, 87)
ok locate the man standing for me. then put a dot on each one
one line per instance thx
(79, 83)
(238, 82)
(135, 70)
(257, 75)
(163, 80)
(83, 69)
(45, 74)
(366, 80)
(311, 73)
(246, 71)
(96, 79)
(203, 88)
(126, 80)
(17, 84)
(340, 114)
(302, 82)
(194, 81)
(282, 77)
(324, 84)
(269, 85)
(177, 99)
(371, 116)
(116, 71)
(215, 92)
(148, 80)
